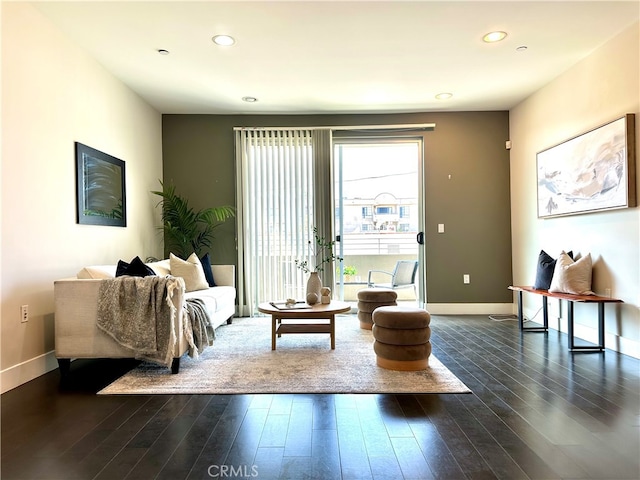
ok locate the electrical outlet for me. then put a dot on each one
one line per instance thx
(466, 278)
(24, 313)
(607, 292)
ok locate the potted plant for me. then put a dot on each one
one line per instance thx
(185, 229)
(322, 252)
(349, 272)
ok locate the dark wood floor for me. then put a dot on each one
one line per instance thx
(536, 412)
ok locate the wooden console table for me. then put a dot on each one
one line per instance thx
(571, 299)
(318, 311)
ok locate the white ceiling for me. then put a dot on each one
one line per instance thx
(335, 56)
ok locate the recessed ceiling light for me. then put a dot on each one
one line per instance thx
(521, 48)
(492, 37)
(249, 99)
(223, 40)
(444, 96)
(162, 51)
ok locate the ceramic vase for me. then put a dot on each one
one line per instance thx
(314, 284)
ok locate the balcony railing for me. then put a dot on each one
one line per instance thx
(391, 243)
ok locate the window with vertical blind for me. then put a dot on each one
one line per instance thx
(277, 188)
(285, 188)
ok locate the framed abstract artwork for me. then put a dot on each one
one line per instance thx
(100, 188)
(591, 172)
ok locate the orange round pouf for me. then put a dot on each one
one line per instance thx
(402, 337)
(371, 298)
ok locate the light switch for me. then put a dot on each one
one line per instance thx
(441, 228)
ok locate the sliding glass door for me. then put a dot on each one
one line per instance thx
(378, 202)
(365, 191)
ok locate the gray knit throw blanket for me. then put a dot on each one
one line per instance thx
(139, 314)
(197, 325)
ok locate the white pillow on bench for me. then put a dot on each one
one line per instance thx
(571, 276)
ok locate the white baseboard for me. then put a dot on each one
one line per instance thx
(470, 308)
(623, 345)
(24, 372)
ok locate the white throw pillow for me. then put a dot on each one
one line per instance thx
(97, 272)
(572, 276)
(190, 270)
(161, 267)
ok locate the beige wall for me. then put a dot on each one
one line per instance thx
(601, 88)
(54, 94)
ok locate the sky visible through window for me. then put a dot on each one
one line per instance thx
(369, 170)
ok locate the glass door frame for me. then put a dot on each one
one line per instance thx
(338, 227)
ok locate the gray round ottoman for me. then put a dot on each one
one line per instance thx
(402, 338)
(371, 298)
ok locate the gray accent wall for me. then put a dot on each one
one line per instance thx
(466, 180)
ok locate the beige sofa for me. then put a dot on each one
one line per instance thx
(78, 336)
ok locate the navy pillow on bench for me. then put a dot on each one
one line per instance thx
(544, 270)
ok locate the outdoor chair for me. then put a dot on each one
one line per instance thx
(403, 276)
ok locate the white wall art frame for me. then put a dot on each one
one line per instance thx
(591, 172)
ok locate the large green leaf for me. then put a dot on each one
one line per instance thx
(187, 230)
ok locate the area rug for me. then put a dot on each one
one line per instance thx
(241, 362)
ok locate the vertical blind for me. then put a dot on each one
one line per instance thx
(276, 214)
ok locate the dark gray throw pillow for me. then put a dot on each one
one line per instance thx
(544, 270)
(208, 272)
(136, 268)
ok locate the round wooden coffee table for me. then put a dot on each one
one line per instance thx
(279, 312)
